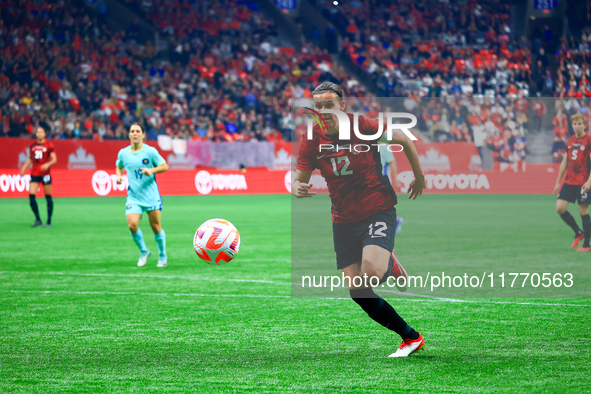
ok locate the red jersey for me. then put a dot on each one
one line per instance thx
(560, 131)
(540, 108)
(356, 184)
(559, 119)
(577, 150)
(40, 154)
(497, 141)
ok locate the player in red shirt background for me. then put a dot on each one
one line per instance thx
(577, 183)
(42, 156)
(363, 213)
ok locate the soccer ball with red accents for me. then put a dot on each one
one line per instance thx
(217, 241)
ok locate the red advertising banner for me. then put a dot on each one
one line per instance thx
(434, 157)
(282, 156)
(92, 155)
(79, 154)
(443, 157)
(537, 179)
(456, 168)
(93, 183)
(86, 168)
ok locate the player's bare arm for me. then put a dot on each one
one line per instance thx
(156, 170)
(394, 175)
(119, 172)
(300, 187)
(418, 184)
(52, 161)
(561, 171)
(27, 165)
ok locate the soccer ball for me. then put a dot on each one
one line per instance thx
(217, 241)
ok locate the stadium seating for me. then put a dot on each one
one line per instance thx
(229, 76)
(220, 84)
(464, 50)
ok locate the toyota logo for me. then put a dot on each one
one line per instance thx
(101, 183)
(287, 180)
(203, 182)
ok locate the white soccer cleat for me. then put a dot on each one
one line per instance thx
(409, 346)
(143, 259)
(162, 262)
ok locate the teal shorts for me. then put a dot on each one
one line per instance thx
(135, 208)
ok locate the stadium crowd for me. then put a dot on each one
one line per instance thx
(228, 76)
(570, 85)
(407, 46)
(65, 72)
(420, 49)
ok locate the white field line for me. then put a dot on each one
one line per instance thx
(421, 297)
(146, 276)
(141, 294)
(445, 299)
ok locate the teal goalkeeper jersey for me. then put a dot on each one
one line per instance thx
(143, 190)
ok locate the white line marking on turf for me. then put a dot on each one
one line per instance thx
(265, 296)
(167, 277)
(147, 276)
(142, 294)
(422, 297)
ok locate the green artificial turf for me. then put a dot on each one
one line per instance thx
(77, 315)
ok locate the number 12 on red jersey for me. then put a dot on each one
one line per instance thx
(336, 163)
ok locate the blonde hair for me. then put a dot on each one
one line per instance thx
(577, 116)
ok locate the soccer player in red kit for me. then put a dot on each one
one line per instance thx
(577, 183)
(363, 213)
(42, 156)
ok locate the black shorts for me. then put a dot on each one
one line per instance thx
(350, 238)
(45, 179)
(572, 193)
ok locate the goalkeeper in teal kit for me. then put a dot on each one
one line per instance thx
(142, 162)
